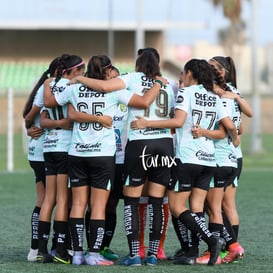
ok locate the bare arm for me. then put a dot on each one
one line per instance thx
(31, 115)
(244, 106)
(175, 122)
(48, 123)
(49, 99)
(147, 99)
(101, 85)
(219, 133)
(231, 129)
(117, 84)
(35, 132)
(105, 121)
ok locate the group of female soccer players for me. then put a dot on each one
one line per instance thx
(105, 136)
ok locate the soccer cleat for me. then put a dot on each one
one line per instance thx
(44, 258)
(215, 250)
(78, 258)
(150, 260)
(234, 253)
(94, 258)
(142, 252)
(223, 254)
(62, 259)
(131, 261)
(161, 254)
(204, 259)
(32, 254)
(178, 253)
(107, 253)
(185, 260)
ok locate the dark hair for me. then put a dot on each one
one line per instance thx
(50, 72)
(116, 69)
(66, 64)
(97, 66)
(219, 80)
(148, 64)
(150, 49)
(228, 64)
(201, 71)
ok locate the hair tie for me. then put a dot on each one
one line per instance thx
(109, 65)
(75, 66)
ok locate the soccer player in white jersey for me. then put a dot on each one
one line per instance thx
(226, 169)
(145, 197)
(120, 127)
(116, 193)
(226, 68)
(92, 149)
(56, 144)
(140, 82)
(31, 114)
(195, 157)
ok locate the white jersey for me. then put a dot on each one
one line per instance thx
(204, 108)
(238, 149)
(120, 126)
(159, 110)
(57, 140)
(35, 146)
(92, 139)
(224, 150)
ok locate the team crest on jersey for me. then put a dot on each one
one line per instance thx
(123, 107)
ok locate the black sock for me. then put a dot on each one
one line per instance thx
(110, 226)
(76, 226)
(156, 214)
(96, 234)
(236, 231)
(131, 223)
(216, 229)
(34, 227)
(87, 221)
(61, 233)
(228, 232)
(69, 239)
(110, 221)
(195, 224)
(43, 235)
(181, 233)
(54, 240)
(195, 238)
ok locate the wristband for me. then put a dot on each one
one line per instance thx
(159, 82)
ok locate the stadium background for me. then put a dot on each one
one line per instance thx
(34, 32)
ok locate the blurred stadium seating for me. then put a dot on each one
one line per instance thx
(22, 76)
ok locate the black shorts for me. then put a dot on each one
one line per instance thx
(97, 172)
(117, 187)
(56, 163)
(239, 167)
(152, 159)
(39, 170)
(186, 176)
(224, 176)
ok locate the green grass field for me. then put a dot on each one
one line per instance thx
(17, 197)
